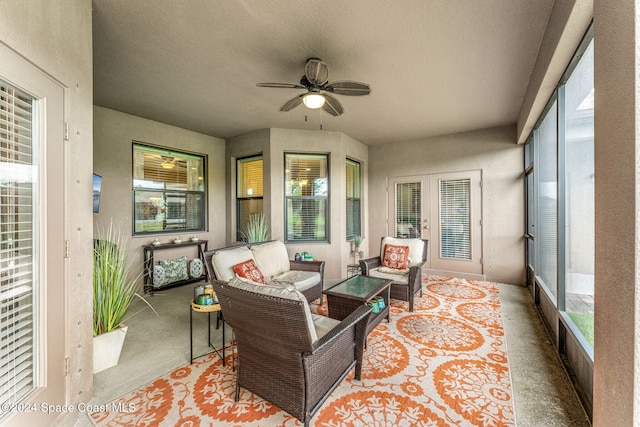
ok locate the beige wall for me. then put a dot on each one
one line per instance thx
(273, 143)
(113, 135)
(56, 37)
(494, 152)
(616, 377)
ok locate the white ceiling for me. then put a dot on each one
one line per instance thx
(435, 66)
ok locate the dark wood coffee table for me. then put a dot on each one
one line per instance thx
(346, 296)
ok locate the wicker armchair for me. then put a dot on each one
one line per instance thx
(404, 286)
(278, 358)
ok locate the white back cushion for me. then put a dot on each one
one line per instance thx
(223, 261)
(416, 247)
(271, 258)
(286, 292)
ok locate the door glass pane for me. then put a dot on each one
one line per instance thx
(455, 218)
(547, 196)
(18, 192)
(408, 209)
(580, 231)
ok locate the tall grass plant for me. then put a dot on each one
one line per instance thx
(256, 229)
(114, 286)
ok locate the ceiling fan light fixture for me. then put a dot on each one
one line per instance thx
(313, 100)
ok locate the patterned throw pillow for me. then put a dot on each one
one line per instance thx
(158, 276)
(174, 269)
(195, 267)
(249, 270)
(395, 256)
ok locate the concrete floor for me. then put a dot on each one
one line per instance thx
(156, 345)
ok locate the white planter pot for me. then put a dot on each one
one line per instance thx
(107, 348)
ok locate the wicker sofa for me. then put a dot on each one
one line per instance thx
(408, 282)
(286, 355)
(272, 259)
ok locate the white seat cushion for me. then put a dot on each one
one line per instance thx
(323, 324)
(383, 269)
(397, 278)
(301, 280)
(223, 261)
(271, 258)
(287, 292)
(416, 248)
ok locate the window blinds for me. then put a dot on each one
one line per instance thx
(169, 190)
(353, 199)
(250, 177)
(17, 255)
(250, 190)
(455, 218)
(408, 209)
(306, 194)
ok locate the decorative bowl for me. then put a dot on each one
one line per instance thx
(177, 240)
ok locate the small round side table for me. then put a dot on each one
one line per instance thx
(215, 308)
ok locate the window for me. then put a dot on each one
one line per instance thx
(168, 190)
(546, 175)
(579, 196)
(560, 187)
(249, 191)
(18, 256)
(530, 214)
(353, 199)
(306, 197)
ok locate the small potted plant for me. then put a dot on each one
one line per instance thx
(256, 229)
(357, 241)
(114, 290)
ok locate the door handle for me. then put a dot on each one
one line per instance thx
(426, 227)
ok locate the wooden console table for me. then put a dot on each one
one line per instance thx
(149, 251)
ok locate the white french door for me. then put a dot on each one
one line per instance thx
(445, 209)
(32, 270)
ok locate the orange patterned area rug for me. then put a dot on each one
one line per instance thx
(445, 364)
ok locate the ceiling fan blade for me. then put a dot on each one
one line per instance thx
(332, 105)
(316, 71)
(281, 85)
(347, 87)
(292, 103)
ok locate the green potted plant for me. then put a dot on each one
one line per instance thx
(357, 241)
(256, 229)
(114, 290)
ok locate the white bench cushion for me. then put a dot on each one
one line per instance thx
(271, 258)
(397, 278)
(223, 261)
(287, 292)
(301, 280)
